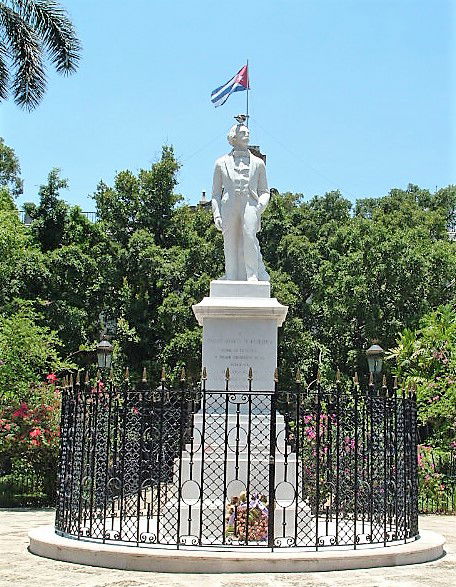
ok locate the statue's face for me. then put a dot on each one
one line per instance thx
(239, 136)
(242, 136)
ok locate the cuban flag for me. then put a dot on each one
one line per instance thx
(238, 83)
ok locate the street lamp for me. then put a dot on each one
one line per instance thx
(375, 355)
(104, 354)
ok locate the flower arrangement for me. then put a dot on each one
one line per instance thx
(258, 515)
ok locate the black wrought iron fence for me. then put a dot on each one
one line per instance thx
(25, 490)
(308, 467)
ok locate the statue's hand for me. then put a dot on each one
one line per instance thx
(218, 223)
(260, 208)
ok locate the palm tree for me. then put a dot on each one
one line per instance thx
(32, 31)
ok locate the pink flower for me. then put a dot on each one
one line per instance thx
(51, 378)
(21, 411)
(99, 387)
(35, 442)
(35, 432)
(310, 433)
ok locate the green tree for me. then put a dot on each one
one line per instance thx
(357, 276)
(21, 262)
(426, 358)
(144, 202)
(28, 352)
(33, 31)
(50, 217)
(10, 169)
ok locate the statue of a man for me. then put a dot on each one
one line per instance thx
(239, 197)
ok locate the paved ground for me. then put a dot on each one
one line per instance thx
(19, 568)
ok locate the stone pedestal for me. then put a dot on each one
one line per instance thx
(240, 322)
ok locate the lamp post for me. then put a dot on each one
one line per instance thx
(104, 354)
(375, 355)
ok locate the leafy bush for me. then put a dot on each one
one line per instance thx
(27, 352)
(426, 358)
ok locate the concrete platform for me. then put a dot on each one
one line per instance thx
(44, 542)
(20, 568)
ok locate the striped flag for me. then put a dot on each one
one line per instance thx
(238, 83)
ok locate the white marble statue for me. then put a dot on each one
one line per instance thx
(240, 195)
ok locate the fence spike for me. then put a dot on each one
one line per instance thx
(404, 390)
(182, 375)
(355, 378)
(276, 375)
(204, 374)
(227, 374)
(78, 377)
(144, 375)
(127, 374)
(371, 378)
(384, 381)
(395, 382)
(86, 380)
(163, 374)
(338, 375)
(250, 375)
(298, 377)
(111, 374)
(71, 381)
(408, 391)
(98, 375)
(318, 376)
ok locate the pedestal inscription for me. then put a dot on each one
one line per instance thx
(240, 345)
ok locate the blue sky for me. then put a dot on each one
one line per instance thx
(356, 95)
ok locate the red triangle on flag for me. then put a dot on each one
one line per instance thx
(243, 77)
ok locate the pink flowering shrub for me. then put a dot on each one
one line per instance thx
(431, 482)
(315, 445)
(29, 433)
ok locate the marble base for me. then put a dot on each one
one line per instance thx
(44, 542)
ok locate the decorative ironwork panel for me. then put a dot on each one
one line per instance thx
(308, 468)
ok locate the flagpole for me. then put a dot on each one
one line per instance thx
(248, 89)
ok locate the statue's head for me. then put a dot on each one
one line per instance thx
(238, 136)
